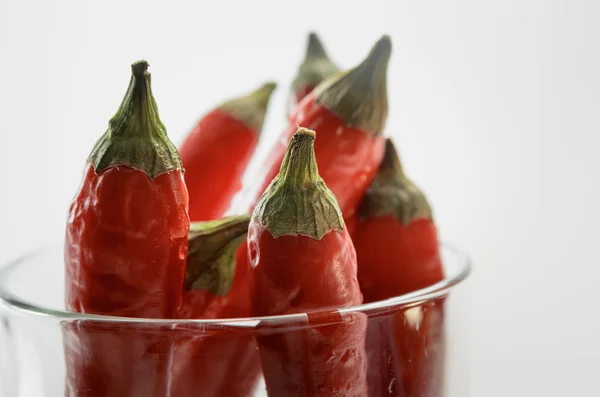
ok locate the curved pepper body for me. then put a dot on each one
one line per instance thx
(296, 274)
(126, 244)
(215, 156)
(395, 259)
(125, 250)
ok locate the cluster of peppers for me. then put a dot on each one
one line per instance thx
(144, 239)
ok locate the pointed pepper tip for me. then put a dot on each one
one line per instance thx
(315, 47)
(381, 51)
(267, 88)
(306, 131)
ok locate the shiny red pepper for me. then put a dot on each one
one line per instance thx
(315, 68)
(302, 260)
(217, 151)
(125, 250)
(397, 247)
(349, 112)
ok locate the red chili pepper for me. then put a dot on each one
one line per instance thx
(213, 361)
(397, 248)
(125, 249)
(315, 68)
(217, 151)
(302, 260)
(349, 111)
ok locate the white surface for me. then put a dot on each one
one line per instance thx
(494, 106)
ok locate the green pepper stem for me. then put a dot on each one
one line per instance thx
(297, 202)
(251, 109)
(316, 67)
(136, 136)
(359, 95)
(299, 167)
(211, 254)
(315, 49)
(392, 193)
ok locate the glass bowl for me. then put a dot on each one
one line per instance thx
(414, 345)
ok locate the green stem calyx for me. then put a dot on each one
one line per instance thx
(252, 108)
(297, 202)
(211, 254)
(392, 193)
(316, 66)
(359, 95)
(136, 136)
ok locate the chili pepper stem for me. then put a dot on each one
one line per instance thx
(391, 192)
(359, 95)
(252, 108)
(297, 202)
(315, 48)
(316, 67)
(211, 253)
(136, 136)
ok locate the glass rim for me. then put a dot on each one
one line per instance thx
(434, 291)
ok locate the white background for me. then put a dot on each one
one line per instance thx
(494, 106)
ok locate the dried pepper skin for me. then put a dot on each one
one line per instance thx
(217, 151)
(125, 253)
(398, 252)
(301, 260)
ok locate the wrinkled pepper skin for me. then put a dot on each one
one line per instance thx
(125, 251)
(126, 244)
(302, 260)
(217, 151)
(322, 360)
